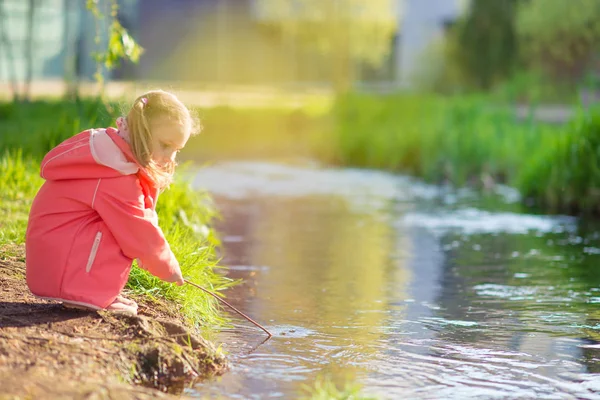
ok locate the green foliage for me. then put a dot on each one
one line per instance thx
(120, 46)
(382, 132)
(439, 68)
(534, 86)
(458, 139)
(565, 175)
(559, 35)
(368, 26)
(346, 31)
(467, 140)
(487, 45)
(479, 51)
(529, 50)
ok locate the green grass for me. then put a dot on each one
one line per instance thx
(185, 215)
(231, 131)
(565, 175)
(255, 133)
(19, 184)
(469, 140)
(534, 86)
(37, 127)
(439, 139)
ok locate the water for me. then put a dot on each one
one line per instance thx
(410, 290)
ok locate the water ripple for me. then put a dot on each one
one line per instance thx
(473, 221)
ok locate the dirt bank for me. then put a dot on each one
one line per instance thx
(47, 351)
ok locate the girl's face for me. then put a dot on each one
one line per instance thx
(168, 139)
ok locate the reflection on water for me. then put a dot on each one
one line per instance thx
(409, 290)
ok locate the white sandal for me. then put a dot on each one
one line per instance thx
(123, 305)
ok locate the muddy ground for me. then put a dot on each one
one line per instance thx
(48, 351)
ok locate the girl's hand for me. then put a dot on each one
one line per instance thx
(176, 278)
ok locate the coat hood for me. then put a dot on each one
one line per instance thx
(95, 153)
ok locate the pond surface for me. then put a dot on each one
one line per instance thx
(410, 290)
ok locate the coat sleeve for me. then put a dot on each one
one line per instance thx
(120, 204)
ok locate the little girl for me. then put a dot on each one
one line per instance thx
(95, 213)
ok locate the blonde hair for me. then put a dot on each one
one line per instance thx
(147, 109)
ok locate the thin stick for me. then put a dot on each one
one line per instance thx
(232, 307)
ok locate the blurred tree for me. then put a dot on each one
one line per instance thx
(70, 50)
(438, 67)
(559, 36)
(29, 48)
(484, 46)
(344, 30)
(6, 46)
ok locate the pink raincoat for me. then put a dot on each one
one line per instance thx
(94, 214)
